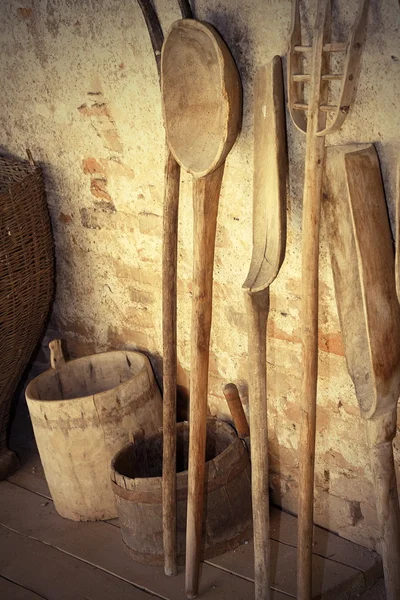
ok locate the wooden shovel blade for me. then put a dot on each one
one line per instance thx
(270, 170)
(362, 257)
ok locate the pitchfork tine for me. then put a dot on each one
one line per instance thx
(351, 71)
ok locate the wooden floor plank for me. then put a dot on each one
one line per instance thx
(283, 525)
(56, 576)
(331, 580)
(12, 591)
(327, 544)
(283, 529)
(100, 544)
(31, 474)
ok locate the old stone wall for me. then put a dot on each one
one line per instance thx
(80, 89)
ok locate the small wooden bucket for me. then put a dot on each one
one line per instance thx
(82, 412)
(136, 477)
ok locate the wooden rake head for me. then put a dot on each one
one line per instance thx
(320, 51)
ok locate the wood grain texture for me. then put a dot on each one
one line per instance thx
(99, 543)
(227, 507)
(269, 241)
(169, 333)
(314, 165)
(205, 208)
(56, 576)
(12, 591)
(235, 406)
(78, 430)
(362, 257)
(199, 79)
(169, 308)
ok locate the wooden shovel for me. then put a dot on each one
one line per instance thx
(362, 257)
(202, 100)
(269, 240)
(169, 302)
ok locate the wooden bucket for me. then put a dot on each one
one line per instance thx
(83, 412)
(136, 477)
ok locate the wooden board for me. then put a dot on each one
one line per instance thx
(331, 580)
(283, 530)
(100, 544)
(56, 576)
(12, 591)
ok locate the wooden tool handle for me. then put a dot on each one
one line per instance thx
(205, 209)
(57, 359)
(235, 405)
(257, 306)
(314, 165)
(380, 434)
(169, 306)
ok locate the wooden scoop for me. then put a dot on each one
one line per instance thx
(269, 241)
(362, 257)
(202, 101)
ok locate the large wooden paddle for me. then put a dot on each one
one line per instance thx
(362, 257)
(269, 240)
(202, 111)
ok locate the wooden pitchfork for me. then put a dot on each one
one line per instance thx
(169, 269)
(311, 118)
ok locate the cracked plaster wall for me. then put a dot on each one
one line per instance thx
(80, 89)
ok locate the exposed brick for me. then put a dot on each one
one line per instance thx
(25, 12)
(97, 109)
(98, 188)
(63, 218)
(91, 165)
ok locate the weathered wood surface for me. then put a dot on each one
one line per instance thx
(199, 79)
(362, 257)
(269, 240)
(314, 165)
(283, 525)
(54, 575)
(136, 472)
(13, 591)
(229, 576)
(169, 307)
(82, 413)
(235, 406)
(316, 126)
(100, 544)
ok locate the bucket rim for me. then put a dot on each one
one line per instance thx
(50, 371)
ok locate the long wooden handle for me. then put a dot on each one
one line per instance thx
(257, 306)
(169, 306)
(314, 165)
(205, 209)
(235, 405)
(169, 303)
(380, 434)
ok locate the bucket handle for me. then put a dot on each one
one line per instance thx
(57, 359)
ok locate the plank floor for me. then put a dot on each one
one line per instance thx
(43, 556)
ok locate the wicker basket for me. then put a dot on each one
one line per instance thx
(26, 281)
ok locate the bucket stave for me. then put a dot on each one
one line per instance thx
(82, 413)
(137, 484)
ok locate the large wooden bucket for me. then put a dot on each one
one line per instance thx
(136, 477)
(82, 413)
